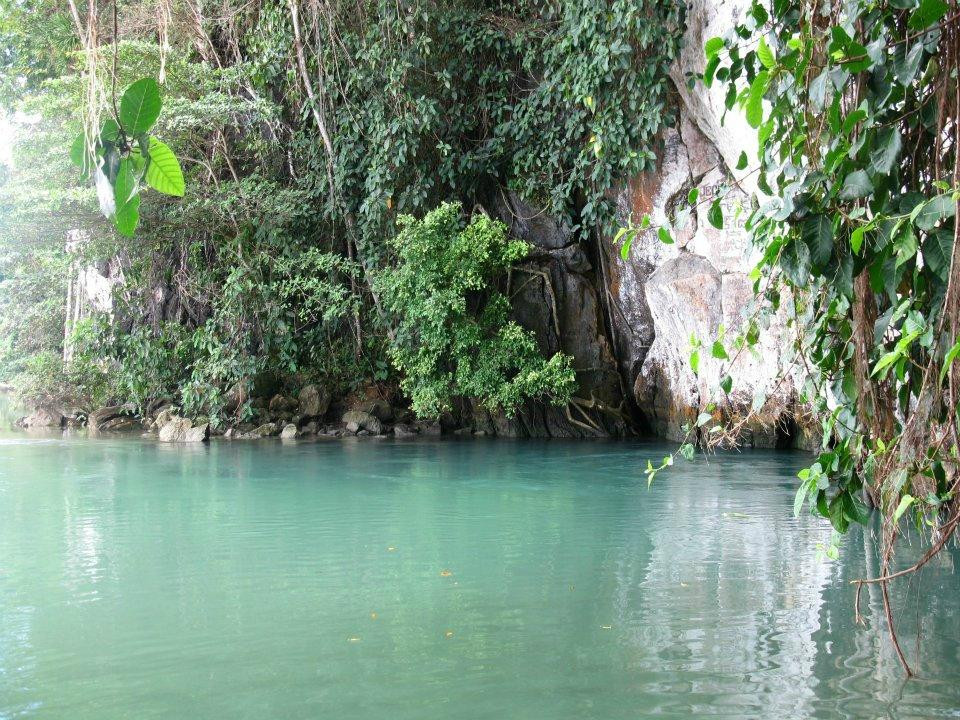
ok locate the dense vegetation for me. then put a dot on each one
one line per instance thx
(306, 132)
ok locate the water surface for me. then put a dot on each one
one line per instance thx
(441, 579)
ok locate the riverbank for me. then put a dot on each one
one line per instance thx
(371, 411)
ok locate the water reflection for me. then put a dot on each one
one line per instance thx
(429, 580)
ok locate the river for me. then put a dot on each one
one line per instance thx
(367, 579)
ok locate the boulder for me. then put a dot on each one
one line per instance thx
(175, 429)
(197, 433)
(356, 420)
(235, 397)
(313, 401)
(163, 417)
(269, 429)
(380, 409)
(282, 404)
(431, 428)
(42, 417)
(289, 432)
(404, 431)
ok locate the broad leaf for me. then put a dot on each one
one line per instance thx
(78, 151)
(715, 214)
(929, 13)
(905, 502)
(887, 151)
(856, 239)
(856, 185)
(140, 106)
(713, 46)
(127, 198)
(163, 171)
(765, 54)
(937, 250)
(817, 233)
(755, 99)
(664, 235)
(934, 210)
(949, 359)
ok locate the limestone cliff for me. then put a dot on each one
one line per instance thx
(628, 323)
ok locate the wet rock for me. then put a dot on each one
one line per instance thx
(121, 423)
(289, 432)
(379, 408)
(163, 417)
(268, 429)
(197, 433)
(175, 429)
(402, 430)
(433, 429)
(356, 420)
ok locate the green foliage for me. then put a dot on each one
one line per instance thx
(856, 225)
(267, 262)
(453, 332)
(121, 157)
(440, 101)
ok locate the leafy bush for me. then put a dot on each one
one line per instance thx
(453, 332)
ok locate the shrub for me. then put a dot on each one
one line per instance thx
(453, 335)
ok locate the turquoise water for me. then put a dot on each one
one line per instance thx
(369, 579)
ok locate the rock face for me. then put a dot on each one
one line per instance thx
(555, 294)
(628, 324)
(667, 294)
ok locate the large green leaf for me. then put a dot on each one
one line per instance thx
(715, 214)
(887, 151)
(78, 151)
(817, 233)
(856, 185)
(929, 12)
(755, 99)
(937, 250)
(140, 106)
(713, 46)
(163, 171)
(127, 197)
(934, 210)
(765, 54)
